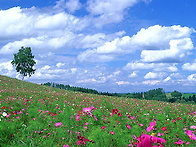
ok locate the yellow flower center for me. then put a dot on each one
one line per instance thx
(190, 136)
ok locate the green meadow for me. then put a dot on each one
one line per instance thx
(33, 115)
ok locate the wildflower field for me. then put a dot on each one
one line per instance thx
(34, 115)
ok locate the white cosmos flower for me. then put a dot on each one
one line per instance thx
(4, 114)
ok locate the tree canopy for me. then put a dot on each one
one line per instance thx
(23, 61)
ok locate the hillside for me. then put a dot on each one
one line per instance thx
(37, 115)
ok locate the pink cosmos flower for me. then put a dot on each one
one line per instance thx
(193, 127)
(81, 139)
(141, 125)
(129, 127)
(144, 140)
(114, 111)
(191, 135)
(86, 109)
(147, 140)
(158, 140)
(188, 143)
(179, 142)
(86, 123)
(152, 125)
(103, 127)
(112, 132)
(65, 145)
(77, 117)
(58, 124)
(120, 114)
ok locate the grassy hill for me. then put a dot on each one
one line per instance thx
(38, 115)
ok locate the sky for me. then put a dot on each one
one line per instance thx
(108, 45)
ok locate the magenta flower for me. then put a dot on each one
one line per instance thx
(81, 139)
(144, 140)
(193, 127)
(65, 145)
(86, 109)
(191, 135)
(58, 124)
(129, 127)
(114, 111)
(112, 132)
(152, 125)
(158, 140)
(77, 117)
(147, 140)
(103, 127)
(179, 142)
(119, 114)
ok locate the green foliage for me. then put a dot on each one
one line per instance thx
(23, 61)
(176, 94)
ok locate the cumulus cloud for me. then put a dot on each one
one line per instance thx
(192, 78)
(70, 5)
(167, 67)
(189, 66)
(152, 75)
(108, 11)
(36, 23)
(133, 74)
(123, 83)
(167, 79)
(7, 69)
(178, 50)
(158, 44)
(151, 82)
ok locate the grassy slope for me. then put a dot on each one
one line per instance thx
(28, 98)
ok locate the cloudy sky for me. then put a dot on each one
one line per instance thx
(107, 45)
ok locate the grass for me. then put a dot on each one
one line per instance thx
(35, 115)
(188, 94)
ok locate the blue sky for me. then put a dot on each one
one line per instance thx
(107, 45)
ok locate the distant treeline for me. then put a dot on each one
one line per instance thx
(154, 94)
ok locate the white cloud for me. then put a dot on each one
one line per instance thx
(151, 82)
(152, 75)
(133, 75)
(178, 50)
(158, 37)
(158, 44)
(167, 67)
(37, 23)
(46, 67)
(108, 11)
(123, 82)
(192, 78)
(93, 80)
(92, 56)
(99, 7)
(73, 5)
(59, 64)
(167, 79)
(189, 67)
(6, 68)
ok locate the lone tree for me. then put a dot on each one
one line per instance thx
(23, 61)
